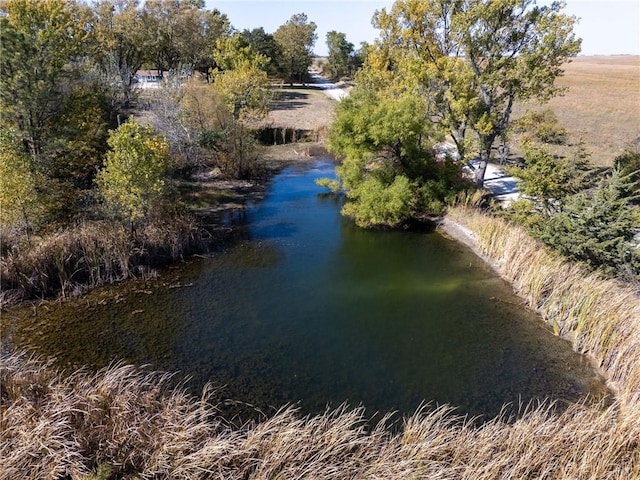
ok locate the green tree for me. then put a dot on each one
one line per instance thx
(542, 125)
(18, 193)
(389, 169)
(598, 228)
(264, 44)
(473, 59)
(42, 43)
(132, 181)
(295, 40)
(340, 52)
(545, 179)
(79, 135)
(629, 165)
(184, 34)
(241, 77)
(359, 56)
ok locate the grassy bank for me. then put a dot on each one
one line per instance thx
(601, 317)
(69, 262)
(125, 423)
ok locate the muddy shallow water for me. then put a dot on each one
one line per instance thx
(310, 309)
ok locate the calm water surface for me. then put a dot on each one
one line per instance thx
(310, 309)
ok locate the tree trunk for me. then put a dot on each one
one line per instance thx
(481, 169)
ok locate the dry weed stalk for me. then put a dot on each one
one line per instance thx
(93, 254)
(125, 423)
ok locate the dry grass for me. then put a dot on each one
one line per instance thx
(125, 423)
(67, 263)
(300, 108)
(122, 422)
(602, 105)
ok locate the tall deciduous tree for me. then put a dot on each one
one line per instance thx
(340, 51)
(123, 42)
(473, 59)
(241, 79)
(183, 33)
(296, 39)
(41, 42)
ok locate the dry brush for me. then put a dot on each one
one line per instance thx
(122, 422)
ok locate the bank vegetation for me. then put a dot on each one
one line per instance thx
(110, 115)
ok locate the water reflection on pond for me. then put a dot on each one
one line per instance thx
(310, 309)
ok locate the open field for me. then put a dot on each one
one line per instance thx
(602, 105)
(302, 108)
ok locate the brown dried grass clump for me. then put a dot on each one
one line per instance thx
(67, 263)
(600, 316)
(122, 422)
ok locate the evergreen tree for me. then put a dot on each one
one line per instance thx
(598, 228)
(264, 44)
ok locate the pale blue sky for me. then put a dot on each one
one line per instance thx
(607, 27)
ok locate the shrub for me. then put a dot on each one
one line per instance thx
(542, 125)
(377, 204)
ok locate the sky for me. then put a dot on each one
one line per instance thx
(607, 27)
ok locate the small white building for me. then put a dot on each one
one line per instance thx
(149, 78)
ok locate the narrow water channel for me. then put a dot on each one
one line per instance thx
(311, 310)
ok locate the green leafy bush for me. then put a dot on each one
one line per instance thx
(375, 204)
(390, 171)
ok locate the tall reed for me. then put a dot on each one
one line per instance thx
(600, 316)
(122, 422)
(95, 253)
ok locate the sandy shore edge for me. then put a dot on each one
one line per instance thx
(459, 232)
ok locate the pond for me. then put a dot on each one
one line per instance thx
(310, 310)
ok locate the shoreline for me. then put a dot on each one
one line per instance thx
(212, 202)
(460, 233)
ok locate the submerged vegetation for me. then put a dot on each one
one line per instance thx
(122, 422)
(600, 316)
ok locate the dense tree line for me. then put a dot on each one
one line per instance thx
(69, 151)
(448, 71)
(68, 78)
(465, 63)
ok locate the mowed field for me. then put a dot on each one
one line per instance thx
(601, 107)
